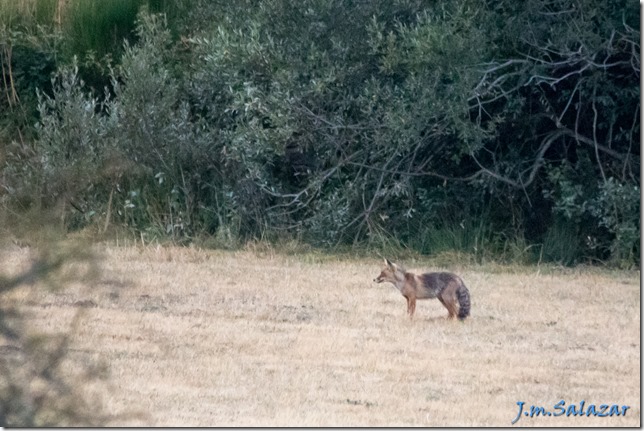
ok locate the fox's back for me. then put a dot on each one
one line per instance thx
(433, 284)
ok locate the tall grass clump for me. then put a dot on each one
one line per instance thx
(89, 26)
(561, 244)
(474, 238)
(35, 12)
(100, 26)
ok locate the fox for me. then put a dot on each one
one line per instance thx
(447, 287)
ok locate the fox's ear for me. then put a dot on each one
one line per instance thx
(389, 264)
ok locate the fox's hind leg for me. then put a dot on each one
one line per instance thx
(446, 306)
(450, 304)
(452, 309)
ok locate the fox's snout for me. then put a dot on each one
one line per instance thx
(378, 280)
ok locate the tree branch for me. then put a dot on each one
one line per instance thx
(536, 164)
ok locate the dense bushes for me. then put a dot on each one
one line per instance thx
(500, 130)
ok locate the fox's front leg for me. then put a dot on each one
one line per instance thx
(411, 306)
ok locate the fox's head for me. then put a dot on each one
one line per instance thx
(391, 273)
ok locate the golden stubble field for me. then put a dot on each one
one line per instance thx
(189, 337)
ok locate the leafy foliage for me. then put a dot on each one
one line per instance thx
(480, 127)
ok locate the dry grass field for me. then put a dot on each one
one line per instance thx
(187, 337)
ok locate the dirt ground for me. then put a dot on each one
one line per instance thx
(188, 337)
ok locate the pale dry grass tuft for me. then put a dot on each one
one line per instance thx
(187, 337)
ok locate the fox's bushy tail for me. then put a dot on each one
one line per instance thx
(463, 296)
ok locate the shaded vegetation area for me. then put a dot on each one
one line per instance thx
(501, 130)
(39, 386)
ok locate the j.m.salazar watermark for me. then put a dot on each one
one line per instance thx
(561, 409)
